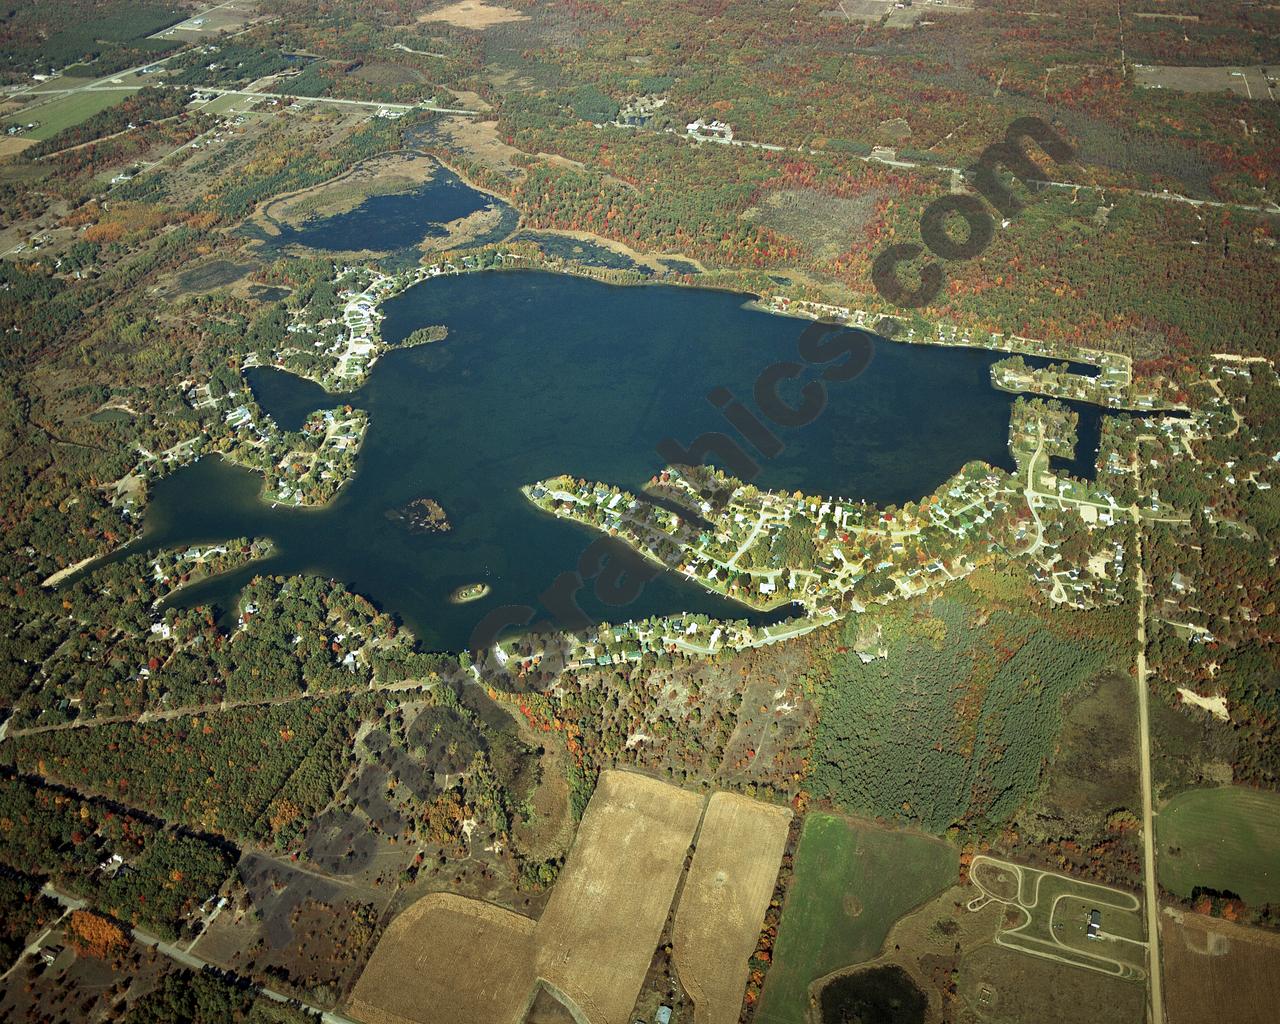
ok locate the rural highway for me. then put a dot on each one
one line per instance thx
(1269, 207)
(187, 959)
(1152, 888)
(97, 86)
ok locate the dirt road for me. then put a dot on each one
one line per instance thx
(1152, 889)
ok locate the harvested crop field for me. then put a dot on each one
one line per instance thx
(596, 938)
(724, 900)
(448, 960)
(453, 960)
(11, 145)
(1217, 971)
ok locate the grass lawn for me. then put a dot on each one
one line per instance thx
(61, 113)
(851, 883)
(1226, 839)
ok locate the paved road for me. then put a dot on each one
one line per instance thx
(1029, 492)
(1269, 207)
(188, 959)
(97, 86)
(334, 100)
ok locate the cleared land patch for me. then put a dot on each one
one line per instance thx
(724, 901)
(473, 14)
(1217, 971)
(851, 883)
(1251, 83)
(386, 73)
(207, 276)
(1226, 839)
(824, 224)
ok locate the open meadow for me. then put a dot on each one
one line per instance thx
(1226, 839)
(851, 883)
(54, 115)
(1251, 83)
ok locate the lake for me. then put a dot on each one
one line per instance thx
(545, 374)
(399, 220)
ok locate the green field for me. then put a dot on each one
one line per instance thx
(227, 104)
(852, 882)
(56, 85)
(58, 114)
(1226, 839)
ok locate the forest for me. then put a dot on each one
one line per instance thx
(23, 911)
(110, 36)
(126, 864)
(943, 714)
(209, 998)
(255, 773)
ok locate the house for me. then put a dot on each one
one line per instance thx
(112, 864)
(663, 1016)
(710, 129)
(1094, 930)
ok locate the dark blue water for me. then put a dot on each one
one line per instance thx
(545, 374)
(591, 253)
(1044, 362)
(398, 221)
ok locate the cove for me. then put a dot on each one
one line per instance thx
(545, 374)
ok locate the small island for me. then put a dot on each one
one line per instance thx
(422, 515)
(469, 592)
